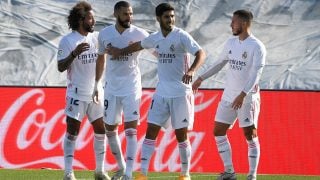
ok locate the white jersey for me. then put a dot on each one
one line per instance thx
(173, 60)
(246, 60)
(122, 75)
(81, 73)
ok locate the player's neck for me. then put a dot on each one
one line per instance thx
(165, 32)
(82, 32)
(120, 28)
(244, 35)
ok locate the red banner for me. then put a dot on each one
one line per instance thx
(32, 128)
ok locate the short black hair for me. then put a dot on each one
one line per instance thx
(245, 15)
(161, 8)
(120, 4)
(78, 12)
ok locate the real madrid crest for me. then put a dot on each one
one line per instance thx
(244, 55)
(172, 48)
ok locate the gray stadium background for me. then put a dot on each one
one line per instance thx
(30, 31)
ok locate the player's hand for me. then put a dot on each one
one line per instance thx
(81, 48)
(187, 77)
(196, 85)
(238, 101)
(113, 51)
(95, 94)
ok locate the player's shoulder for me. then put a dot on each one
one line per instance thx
(255, 42)
(231, 40)
(137, 29)
(155, 35)
(68, 37)
(107, 29)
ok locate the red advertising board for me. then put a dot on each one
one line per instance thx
(32, 128)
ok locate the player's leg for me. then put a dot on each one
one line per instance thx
(184, 151)
(131, 110)
(157, 117)
(253, 150)
(148, 147)
(248, 120)
(112, 118)
(74, 112)
(182, 118)
(225, 117)
(95, 115)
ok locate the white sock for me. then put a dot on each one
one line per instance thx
(253, 155)
(99, 146)
(68, 150)
(115, 146)
(131, 137)
(185, 157)
(224, 149)
(147, 149)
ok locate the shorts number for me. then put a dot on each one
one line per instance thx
(74, 102)
(106, 104)
(151, 104)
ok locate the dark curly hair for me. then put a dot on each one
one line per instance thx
(78, 12)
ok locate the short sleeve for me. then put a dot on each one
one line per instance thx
(64, 49)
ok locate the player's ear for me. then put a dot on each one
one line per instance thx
(158, 19)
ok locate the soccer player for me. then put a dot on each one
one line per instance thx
(122, 87)
(245, 56)
(173, 97)
(77, 54)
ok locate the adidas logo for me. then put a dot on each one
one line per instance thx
(185, 120)
(247, 120)
(129, 158)
(143, 159)
(135, 113)
(70, 109)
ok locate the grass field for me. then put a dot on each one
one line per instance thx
(37, 174)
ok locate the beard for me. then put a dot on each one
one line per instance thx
(166, 27)
(237, 32)
(88, 28)
(124, 24)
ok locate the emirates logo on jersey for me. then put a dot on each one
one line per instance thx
(244, 55)
(172, 48)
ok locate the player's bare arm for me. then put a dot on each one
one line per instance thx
(237, 103)
(198, 61)
(99, 71)
(116, 52)
(66, 62)
(196, 85)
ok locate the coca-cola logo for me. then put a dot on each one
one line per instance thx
(33, 128)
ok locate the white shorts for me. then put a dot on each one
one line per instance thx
(180, 109)
(247, 114)
(77, 109)
(115, 106)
